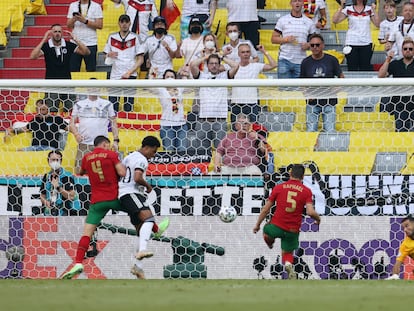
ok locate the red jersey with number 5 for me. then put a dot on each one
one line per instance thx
(100, 167)
(291, 198)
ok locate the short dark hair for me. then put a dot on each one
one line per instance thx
(409, 217)
(316, 35)
(297, 171)
(169, 70)
(213, 56)
(151, 141)
(54, 25)
(55, 152)
(100, 139)
(233, 24)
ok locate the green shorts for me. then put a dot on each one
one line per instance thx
(98, 211)
(289, 240)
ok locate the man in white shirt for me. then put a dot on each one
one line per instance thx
(91, 118)
(212, 122)
(125, 52)
(161, 48)
(84, 18)
(291, 33)
(405, 29)
(233, 32)
(245, 99)
(245, 14)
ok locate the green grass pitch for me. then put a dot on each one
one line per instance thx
(200, 295)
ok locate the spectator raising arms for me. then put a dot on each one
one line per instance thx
(57, 53)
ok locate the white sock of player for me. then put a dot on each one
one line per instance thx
(144, 235)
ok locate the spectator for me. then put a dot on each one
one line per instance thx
(405, 29)
(141, 12)
(124, 51)
(161, 48)
(46, 129)
(210, 47)
(237, 152)
(320, 65)
(291, 32)
(57, 53)
(245, 99)
(173, 124)
(245, 14)
(316, 11)
(212, 123)
(402, 107)
(57, 191)
(93, 115)
(192, 45)
(204, 10)
(233, 32)
(390, 25)
(84, 18)
(359, 49)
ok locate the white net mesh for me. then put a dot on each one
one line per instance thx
(364, 167)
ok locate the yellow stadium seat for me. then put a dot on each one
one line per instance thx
(382, 142)
(330, 163)
(365, 122)
(409, 168)
(16, 142)
(84, 75)
(24, 163)
(130, 140)
(292, 141)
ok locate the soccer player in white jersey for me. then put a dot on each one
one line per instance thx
(124, 51)
(291, 33)
(133, 190)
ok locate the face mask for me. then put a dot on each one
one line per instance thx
(54, 165)
(209, 44)
(159, 31)
(233, 36)
(196, 29)
(169, 78)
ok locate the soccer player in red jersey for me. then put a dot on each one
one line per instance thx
(104, 169)
(291, 198)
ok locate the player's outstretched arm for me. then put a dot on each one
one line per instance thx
(395, 271)
(310, 211)
(263, 213)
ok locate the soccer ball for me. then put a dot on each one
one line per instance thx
(15, 253)
(227, 214)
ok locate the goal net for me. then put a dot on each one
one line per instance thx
(359, 173)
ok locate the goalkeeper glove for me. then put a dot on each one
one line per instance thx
(393, 277)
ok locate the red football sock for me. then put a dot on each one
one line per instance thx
(287, 257)
(82, 248)
(155, 228)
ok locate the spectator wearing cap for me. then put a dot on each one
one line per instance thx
(141, 12)
(161, 48)
(190, 47)
(204, 10)
(84, 18)
(125, 52)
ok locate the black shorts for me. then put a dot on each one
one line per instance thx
(133, 204)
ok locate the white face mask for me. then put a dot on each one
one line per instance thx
(54, 165)
(209, 44)
(233, 36)
(169, 78)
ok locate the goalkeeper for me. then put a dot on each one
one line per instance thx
(291, 197)
(406, 247)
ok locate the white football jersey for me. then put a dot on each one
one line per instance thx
(127, 184)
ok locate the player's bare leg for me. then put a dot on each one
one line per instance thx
(269, 240)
